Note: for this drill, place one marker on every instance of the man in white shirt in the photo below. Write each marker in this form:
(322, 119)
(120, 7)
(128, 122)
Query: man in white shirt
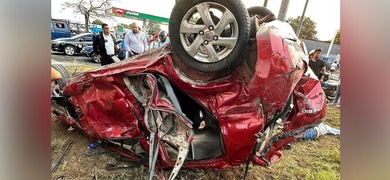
(104, 46)
(136, 41)
(333, 67)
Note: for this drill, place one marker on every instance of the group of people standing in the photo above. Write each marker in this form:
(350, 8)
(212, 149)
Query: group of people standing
(134, 42)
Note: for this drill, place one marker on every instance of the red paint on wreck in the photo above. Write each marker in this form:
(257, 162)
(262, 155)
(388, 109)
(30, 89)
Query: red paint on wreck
(108, 110)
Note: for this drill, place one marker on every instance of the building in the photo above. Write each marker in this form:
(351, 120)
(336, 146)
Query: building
(334, 52)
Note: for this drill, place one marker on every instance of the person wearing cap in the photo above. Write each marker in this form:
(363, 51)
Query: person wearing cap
(316, 64)
(162, 38)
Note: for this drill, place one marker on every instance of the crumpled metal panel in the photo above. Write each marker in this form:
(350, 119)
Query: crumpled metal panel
(240, 104)
(280, 65)
(108, 109)
(310, 104)
(309, 109)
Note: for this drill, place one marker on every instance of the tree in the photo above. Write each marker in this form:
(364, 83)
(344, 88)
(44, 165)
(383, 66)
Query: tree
(153, 27)
(337, 38)
(308, 29)
(97, 21)
(90, 8)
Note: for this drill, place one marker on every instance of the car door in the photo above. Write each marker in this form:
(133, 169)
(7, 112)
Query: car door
(59, 29)
(88, 40)
(83, 41)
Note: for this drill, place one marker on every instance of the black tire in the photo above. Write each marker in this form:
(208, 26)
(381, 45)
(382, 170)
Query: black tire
(70, 50)
(198, 55)
(261, 12)
(65, 76)
(94, 58)
(254, 21)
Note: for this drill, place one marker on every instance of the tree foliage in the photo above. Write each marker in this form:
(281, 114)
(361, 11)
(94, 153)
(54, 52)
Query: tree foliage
(337, 38)
(97, 21)
(127, 26)
(308, 29)
(90, 8)
(153, 27)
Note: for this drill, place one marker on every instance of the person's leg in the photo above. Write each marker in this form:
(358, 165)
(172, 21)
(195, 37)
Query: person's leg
(320, 129)
(325, 129)
(104, 60)
(336, 98)
(310, 134)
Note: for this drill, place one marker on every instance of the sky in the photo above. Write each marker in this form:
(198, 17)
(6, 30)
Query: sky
(326, 13)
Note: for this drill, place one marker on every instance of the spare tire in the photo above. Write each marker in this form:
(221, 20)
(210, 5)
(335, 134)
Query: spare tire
(256, 13)
(209, 46)
(261, 12)
(59, 84)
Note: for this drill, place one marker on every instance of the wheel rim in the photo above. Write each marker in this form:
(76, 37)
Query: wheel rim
(208, 42)
(69, 50)
(95, 58)
(58, 108)
(55, 89)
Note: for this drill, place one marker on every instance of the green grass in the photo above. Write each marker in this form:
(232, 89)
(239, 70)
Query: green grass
(75, 68)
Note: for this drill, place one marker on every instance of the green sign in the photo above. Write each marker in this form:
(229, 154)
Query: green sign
(126, 13)
(146, 16)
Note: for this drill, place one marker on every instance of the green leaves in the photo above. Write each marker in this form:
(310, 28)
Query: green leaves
(308, 29)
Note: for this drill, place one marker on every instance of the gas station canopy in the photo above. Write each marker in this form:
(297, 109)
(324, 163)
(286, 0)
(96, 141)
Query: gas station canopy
(136, 15)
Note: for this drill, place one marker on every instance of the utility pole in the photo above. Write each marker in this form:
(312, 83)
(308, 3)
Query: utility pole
(283, 10)
(302, 17)
(331, 44)
(265, 3)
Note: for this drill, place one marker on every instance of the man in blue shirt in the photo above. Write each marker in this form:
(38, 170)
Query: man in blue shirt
(163, 38)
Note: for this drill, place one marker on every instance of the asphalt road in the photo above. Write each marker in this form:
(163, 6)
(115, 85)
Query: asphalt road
(69, 59)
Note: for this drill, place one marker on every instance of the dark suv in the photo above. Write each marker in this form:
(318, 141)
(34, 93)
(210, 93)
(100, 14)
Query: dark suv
(73, 45)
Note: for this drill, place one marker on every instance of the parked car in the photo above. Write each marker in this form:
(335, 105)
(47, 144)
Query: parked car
(87, 51)
(73, 45)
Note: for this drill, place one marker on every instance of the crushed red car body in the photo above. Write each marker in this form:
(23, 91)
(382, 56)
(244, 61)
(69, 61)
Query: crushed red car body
(154, 104)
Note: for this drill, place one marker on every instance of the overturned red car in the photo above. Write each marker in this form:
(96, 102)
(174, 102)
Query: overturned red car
(210, 99)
